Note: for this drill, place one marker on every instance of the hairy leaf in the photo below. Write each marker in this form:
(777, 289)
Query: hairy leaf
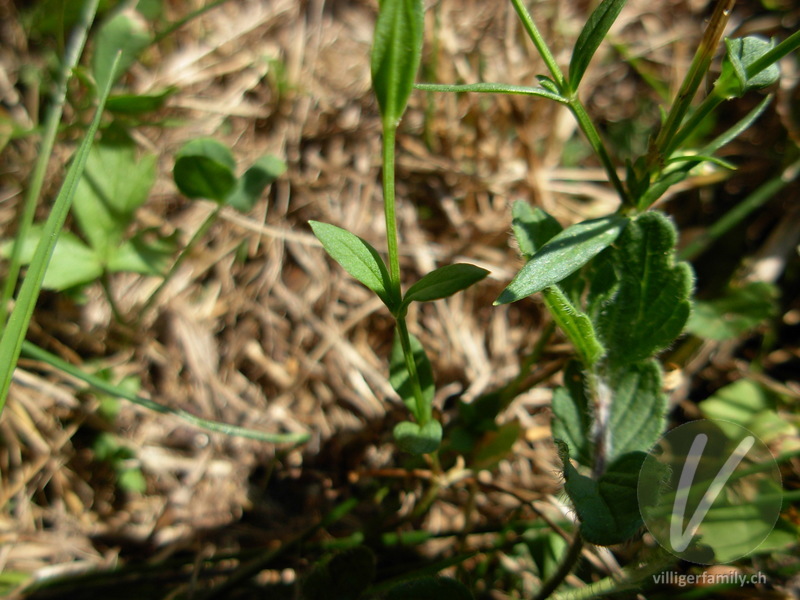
(608, 508)
(651, 303)
(357, 257)
(638, 410)
(563, 255)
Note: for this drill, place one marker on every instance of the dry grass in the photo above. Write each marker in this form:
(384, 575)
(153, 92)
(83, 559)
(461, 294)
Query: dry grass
(283, 339)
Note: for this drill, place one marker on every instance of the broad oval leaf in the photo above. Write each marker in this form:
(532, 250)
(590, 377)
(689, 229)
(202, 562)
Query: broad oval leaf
(563, 255)
(396, 54)
(444, 282)
(595, 30)
(416, 439)
(357, 257)
(204, 168)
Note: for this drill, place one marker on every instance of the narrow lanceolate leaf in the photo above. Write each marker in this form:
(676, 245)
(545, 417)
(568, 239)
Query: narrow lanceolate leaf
(396, 54)
(595, 30)
(401, 382)
(357, 257)
(607, 508)
(493, 88)
(651, 303)
(638, 411)
(444, 282)
(533, 227)
(562, 256)
(14, 333)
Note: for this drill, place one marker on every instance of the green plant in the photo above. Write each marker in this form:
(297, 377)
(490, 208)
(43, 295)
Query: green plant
(614, 284)
(395, 60)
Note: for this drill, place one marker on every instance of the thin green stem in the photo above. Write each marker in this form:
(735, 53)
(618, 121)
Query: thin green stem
(389, 210)
(196, 237)
(707, 106)
(73, 52)
(697, 72)
(101, 385)
(592, 135)
(568, 563)
(423, 409)
(541, 45)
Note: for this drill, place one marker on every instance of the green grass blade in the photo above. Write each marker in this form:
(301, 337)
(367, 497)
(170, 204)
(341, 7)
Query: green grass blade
(100, 385)
(17, 326)
(53, 118)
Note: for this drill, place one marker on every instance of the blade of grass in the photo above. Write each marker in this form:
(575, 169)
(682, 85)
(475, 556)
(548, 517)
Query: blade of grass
(17, 326)
(33, 351)
(73, 52)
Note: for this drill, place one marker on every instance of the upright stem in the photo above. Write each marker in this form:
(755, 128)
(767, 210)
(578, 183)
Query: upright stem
(541, 45)
(389, 136)
(599, 148)
(390, 213)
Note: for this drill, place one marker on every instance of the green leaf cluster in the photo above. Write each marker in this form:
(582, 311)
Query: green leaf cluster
(206, 168)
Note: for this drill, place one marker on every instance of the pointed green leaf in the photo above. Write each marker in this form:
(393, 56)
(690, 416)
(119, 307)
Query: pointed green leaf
(205, 168)
(532, 227)
(563, 255)
(412, 438)
(127, 32)
(638, 411)
(137, 104)
(550, 93)
(595, 30)
(571, 415)
(252, 184)
(444, 282)
(398, 376)
(396, 54)
(651, 303)
(608, 508)
(357, 257)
